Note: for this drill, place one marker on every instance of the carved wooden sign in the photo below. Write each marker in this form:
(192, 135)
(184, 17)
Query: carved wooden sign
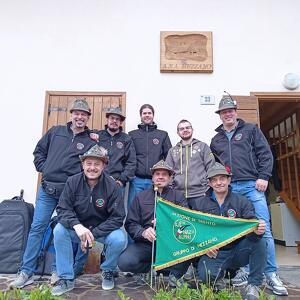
(186, 51)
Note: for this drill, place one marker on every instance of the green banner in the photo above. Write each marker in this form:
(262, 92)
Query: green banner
(182, 234)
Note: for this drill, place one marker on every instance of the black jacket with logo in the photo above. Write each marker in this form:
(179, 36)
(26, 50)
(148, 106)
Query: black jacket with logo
(121, 152)
(235, 206)
(248, 153)
(151, 145)
(100, 208)
(56, 155)
(141, 211)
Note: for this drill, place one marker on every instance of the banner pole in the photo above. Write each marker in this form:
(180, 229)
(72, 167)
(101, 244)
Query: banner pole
(154, 218)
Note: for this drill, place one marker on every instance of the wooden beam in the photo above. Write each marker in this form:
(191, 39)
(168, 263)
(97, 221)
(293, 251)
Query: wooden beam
(291, 205)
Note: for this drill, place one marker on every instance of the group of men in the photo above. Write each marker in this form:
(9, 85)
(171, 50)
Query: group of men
(84, 174)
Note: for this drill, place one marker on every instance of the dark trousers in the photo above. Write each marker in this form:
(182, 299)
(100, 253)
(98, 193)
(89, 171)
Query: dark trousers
(246, 251)
(136, 258)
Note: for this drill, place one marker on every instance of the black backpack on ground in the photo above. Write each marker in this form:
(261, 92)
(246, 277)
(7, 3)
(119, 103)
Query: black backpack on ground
(15, 221)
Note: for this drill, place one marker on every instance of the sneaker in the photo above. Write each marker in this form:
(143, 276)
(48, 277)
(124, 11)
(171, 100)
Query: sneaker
(108, 280)
(241, 278)
(252, 292)
(62, 286)
(275, 284)
(22, 280)
(189, 275)
(175, 282)
(54, 278)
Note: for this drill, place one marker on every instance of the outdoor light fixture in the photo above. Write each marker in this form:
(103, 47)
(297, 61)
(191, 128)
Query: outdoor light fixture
(291, 81)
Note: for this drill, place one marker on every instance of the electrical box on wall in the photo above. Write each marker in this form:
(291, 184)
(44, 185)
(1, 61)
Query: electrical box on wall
(207, 100)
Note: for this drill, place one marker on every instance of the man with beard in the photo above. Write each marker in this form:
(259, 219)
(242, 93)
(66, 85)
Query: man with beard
(121, 152)
(56, 156)
(190, 159)
(151, 145)
(90, 209)
(140, 221)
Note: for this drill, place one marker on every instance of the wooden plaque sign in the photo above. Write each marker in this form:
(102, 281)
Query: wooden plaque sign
(186, 51)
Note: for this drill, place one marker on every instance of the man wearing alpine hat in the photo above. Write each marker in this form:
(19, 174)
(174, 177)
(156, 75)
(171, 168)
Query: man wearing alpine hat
(56, 157)
(221, 201)
(90, 209)
(140, 220)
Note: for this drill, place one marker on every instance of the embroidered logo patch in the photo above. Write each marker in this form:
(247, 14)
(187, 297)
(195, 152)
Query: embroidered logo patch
(79, 146)
(120, 145)
(184, 231)
(155, 141)
(100, 203)
(231, 213)
(238, 137)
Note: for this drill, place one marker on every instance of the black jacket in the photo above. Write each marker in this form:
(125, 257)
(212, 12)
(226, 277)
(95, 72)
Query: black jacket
(247, 154)
(151, 145)
(141, 211)
(100, 208)
(56, 155)
(234, 206)
(121, 152)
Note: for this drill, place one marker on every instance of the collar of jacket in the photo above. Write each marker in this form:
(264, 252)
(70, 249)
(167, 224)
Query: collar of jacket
(100, 179)
(165, 190)
(240, 124)
(86, 129)
(147, 127)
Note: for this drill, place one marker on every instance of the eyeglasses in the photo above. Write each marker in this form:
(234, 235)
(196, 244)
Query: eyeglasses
(185, 128)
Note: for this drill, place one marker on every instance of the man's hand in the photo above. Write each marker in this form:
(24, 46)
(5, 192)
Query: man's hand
(213, 253)
(119, 183)
(261, 227)
(94, 137)
(154, 223)
(261, 185)
(84, 234)
(149, 234)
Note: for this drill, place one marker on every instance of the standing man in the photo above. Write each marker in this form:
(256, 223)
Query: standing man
(140, 220)
(190, 159)
(121, 152)
(90, 209)
(56, 156)
(151, 145)
(244, 149)
(221, 201)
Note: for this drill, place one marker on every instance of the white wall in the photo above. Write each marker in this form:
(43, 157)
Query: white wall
(113, 45)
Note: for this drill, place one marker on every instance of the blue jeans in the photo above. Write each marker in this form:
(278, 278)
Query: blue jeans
(63, 238)
(137, 185)
(44, 207)
(246, 251)
(258, 199)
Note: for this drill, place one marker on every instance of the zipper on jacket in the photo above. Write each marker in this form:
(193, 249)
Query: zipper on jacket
(147, 159)
(73, 137)
(91, 196)
(186, 169)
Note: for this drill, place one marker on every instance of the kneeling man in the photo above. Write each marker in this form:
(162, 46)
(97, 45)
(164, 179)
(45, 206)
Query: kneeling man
(140, 220)
(90, 209)
(220, 200)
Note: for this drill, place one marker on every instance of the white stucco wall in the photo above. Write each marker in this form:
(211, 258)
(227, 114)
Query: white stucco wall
(114, 45)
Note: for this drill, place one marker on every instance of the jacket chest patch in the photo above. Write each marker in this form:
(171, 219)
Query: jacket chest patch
(155, 141)
(231, 213)
(120, 145)
(238, 136)
(79, 146)
(100, 203)
(175, 152)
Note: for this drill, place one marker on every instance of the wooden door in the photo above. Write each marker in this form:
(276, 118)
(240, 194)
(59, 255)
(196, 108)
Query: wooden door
(58, 104)
(247, 108)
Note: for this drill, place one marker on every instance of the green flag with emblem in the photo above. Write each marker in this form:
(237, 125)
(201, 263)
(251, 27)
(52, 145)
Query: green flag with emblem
(182, 234)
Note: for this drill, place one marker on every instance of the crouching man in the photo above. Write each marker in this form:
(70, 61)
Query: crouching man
(251, 249)
(90, 209)
(140, 220)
